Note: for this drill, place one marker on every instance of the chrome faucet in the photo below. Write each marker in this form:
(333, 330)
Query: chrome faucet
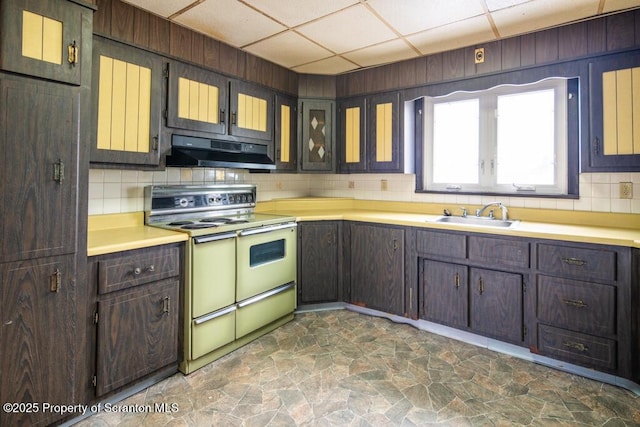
(503, 208)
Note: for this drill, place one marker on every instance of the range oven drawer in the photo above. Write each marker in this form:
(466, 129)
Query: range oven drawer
(212, 331)
(213, 273)
(266, 259)
(265, 308)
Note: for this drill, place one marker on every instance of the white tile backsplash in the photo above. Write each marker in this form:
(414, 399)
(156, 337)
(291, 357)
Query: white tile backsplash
(120, 191)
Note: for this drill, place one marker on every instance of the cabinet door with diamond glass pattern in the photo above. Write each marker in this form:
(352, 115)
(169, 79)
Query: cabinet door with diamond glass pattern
(317, 135)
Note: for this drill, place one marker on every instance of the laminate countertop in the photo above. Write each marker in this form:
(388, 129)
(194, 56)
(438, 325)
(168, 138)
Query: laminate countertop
(586, 227)
(123, 232)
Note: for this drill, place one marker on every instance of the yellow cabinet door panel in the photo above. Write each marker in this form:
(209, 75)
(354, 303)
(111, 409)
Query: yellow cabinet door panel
(285, 132)
(41, 38)
(384, 132)
(621, 111)
(352, 137)
(124, 106)
(197, 101)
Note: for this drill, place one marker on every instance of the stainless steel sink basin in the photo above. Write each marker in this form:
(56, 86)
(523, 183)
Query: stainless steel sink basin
(477, 221)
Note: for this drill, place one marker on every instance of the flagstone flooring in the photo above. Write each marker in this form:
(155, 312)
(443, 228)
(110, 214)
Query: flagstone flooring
(341, 368)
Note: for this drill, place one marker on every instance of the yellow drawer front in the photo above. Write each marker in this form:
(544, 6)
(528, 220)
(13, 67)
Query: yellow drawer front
(212, 334)
(264, 311)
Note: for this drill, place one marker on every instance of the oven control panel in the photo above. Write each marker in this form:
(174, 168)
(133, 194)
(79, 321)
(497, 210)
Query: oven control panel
(184, 199)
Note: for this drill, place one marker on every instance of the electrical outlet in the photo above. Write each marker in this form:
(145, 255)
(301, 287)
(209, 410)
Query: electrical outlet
(278, 185)
(384, 185)
(352, 184)
(626, 190)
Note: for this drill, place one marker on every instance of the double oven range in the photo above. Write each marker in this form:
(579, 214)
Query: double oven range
(240, 267)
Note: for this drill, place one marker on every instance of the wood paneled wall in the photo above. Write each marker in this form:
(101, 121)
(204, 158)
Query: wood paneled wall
(589, 38)
(123, 22)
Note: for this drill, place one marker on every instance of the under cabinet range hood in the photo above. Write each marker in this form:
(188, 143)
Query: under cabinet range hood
(191, 151)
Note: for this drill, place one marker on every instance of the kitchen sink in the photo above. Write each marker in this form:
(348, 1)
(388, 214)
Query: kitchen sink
(477, 221)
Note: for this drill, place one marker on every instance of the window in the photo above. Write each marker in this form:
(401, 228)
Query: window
(510, 139)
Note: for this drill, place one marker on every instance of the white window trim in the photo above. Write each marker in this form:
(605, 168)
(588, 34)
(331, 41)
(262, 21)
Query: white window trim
(488, 144)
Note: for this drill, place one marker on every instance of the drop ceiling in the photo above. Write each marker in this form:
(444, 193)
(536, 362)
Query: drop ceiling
(337, 36)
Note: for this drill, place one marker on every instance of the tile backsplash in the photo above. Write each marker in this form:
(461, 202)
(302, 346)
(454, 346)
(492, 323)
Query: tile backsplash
(120, 191)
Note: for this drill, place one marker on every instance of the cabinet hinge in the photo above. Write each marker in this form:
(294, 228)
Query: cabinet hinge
(524, 331)
(165, 113)
(165, 71)
(95, 317)
(94, 381)
(524, 287)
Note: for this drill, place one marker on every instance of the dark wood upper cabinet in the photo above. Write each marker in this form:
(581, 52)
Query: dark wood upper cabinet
(352, 137)
(197, 99)
(317, 135)
(127, 105)
(203, 101)
(286, 133)
(370, 134)
(384, 142)
(614, 96)
(45, 38)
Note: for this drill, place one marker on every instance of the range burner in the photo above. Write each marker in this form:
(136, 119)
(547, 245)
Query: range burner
(224, 220)
(176, 223)
(197, 226)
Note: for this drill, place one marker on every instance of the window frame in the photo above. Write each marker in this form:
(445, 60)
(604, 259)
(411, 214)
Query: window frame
(488, 139)
(577, 87)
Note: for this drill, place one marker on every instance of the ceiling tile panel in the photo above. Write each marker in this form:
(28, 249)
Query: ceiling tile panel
(539, 14)
(501, 4)
(453, 36)
(288, 49)
(613, 5)
(330, 66)
(229, 21)
(391, 51)
(412, 16)
(295, 12)
(352, 28)
(161, 8)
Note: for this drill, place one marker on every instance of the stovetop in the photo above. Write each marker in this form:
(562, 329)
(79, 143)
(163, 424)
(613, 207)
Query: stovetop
(206, 209)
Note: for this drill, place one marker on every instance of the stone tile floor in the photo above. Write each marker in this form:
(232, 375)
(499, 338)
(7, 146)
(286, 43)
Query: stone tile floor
(340, 368)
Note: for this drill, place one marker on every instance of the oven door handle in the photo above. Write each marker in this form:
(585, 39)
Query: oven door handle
(267, 294)
(203, 319)
(214, 237)
(266, 229)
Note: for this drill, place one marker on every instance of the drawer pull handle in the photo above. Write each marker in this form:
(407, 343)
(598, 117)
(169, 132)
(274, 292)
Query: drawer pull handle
(576, 346)
(137, 271)
(456, 279)
(55, 281)
(166, 305)
(575, 303)
(574, 261)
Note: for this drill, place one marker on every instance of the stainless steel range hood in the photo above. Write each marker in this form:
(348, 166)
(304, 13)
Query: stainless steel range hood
(191, 151)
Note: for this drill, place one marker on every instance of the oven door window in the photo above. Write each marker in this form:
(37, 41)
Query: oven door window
(266, 252)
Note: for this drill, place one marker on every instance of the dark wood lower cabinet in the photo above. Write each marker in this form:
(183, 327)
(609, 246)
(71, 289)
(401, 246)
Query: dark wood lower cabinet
(38, 336)
(137, 300)
(319, 262)
(445, 292)
(377, 267)
(496, 300)
(137, 334)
